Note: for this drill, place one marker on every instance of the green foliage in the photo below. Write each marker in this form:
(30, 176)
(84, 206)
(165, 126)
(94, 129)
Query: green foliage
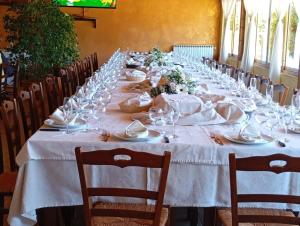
(175, 81)
(273, 27)
(156, 56)
(41, 36)
(292, 30)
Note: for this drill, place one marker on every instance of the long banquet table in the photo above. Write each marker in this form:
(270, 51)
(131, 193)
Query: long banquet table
(198, 175)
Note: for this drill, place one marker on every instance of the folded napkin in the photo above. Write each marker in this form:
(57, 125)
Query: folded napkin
(189, 104)
(207, 116)
(58, 118)
(136, 104)
(246, 104)
(136, 130)
(131, 61)
(214, 98)
(140, 87)
(135, 75)
(250, 133)
(231, 112)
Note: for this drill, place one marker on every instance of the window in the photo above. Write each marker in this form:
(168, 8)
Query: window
(235, 28)
(292, 44)
(262, 32)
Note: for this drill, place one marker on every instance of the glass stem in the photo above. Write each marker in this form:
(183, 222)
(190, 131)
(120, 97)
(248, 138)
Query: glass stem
(174, 135)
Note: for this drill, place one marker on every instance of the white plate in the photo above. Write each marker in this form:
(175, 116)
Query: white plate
(236, 139)
(51, 123)
(295, 130)
(152, 135)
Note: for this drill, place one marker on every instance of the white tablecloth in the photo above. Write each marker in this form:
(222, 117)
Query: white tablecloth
(198, 173)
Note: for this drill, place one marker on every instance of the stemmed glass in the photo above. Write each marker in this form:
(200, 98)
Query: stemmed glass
(270, 94)
(174, 116)
(67, 112)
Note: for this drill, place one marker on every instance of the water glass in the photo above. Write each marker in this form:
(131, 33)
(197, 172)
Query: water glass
(269, 93)
(67, 112)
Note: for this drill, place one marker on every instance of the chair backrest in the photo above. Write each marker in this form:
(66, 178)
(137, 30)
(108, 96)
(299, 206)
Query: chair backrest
(54, 92)
(123, 158)
(66, 83)
(25, 101)
(87, 67)
(95, 64)
(72, 78)
(2, 83)
(39, 103)
(12, 125)
(17, 80)
(282, 91)
(80, 72)
(267, 164)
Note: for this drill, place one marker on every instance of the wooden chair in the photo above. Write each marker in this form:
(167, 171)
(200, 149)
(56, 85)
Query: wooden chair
(88, 69)
(73, 78)
(12, 91)
(94, 61)
(267, 217)
(67, 82)
(54, 92)
(133, 214)
(27, 111)
(264, 82)
(39, 103)
(80, 72)
(12, 127)
(281, 91)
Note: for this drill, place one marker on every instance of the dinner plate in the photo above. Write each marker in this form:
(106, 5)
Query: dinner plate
(294, 130)
(51, 123)
(151, 136)
(236, 139)
(141, 116)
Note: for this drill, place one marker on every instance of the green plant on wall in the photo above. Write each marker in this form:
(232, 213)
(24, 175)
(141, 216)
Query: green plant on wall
(41, 37)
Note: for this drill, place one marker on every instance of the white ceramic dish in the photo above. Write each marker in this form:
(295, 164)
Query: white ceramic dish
(295, 130)
(151, 136)
(51, 123)
(236, 139)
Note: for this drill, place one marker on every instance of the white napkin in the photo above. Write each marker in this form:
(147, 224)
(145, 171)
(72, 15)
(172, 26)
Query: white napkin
(214, 98)
(136, 104)
(189, 104)
(207, 116)
(136, 130)
(135, 75)
(58, 118)
(202, 89)
(245, 104)
(230, 112)
(250, 133)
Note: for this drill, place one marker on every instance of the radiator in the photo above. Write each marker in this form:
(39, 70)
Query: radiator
(196, 51)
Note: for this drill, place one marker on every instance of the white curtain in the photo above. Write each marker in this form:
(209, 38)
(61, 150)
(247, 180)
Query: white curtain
(251, 7)
(227, 7)
(297, 39)
(281, 8)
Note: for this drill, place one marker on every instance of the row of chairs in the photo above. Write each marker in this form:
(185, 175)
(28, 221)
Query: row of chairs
(280, 90)
(75, 74)
(100, 213)
(24, 113)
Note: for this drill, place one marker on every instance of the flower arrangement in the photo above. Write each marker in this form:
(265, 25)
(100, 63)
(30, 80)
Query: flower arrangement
(155, 57)
(174, 82)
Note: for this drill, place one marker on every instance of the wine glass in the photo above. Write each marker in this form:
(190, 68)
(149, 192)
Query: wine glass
(67, 112)
(270, 93)
(174, 116)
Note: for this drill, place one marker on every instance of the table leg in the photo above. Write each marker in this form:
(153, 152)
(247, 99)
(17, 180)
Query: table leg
(209, 215)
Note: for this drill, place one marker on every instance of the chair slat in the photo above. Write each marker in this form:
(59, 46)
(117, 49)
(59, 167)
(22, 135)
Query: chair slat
(269, 198)
(269, 219)
(122, 192)
(135, 158)
(263, 163)
(122, 213)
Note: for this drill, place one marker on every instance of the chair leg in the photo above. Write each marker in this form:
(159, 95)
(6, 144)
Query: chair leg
(1, 210)
(193, 215)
